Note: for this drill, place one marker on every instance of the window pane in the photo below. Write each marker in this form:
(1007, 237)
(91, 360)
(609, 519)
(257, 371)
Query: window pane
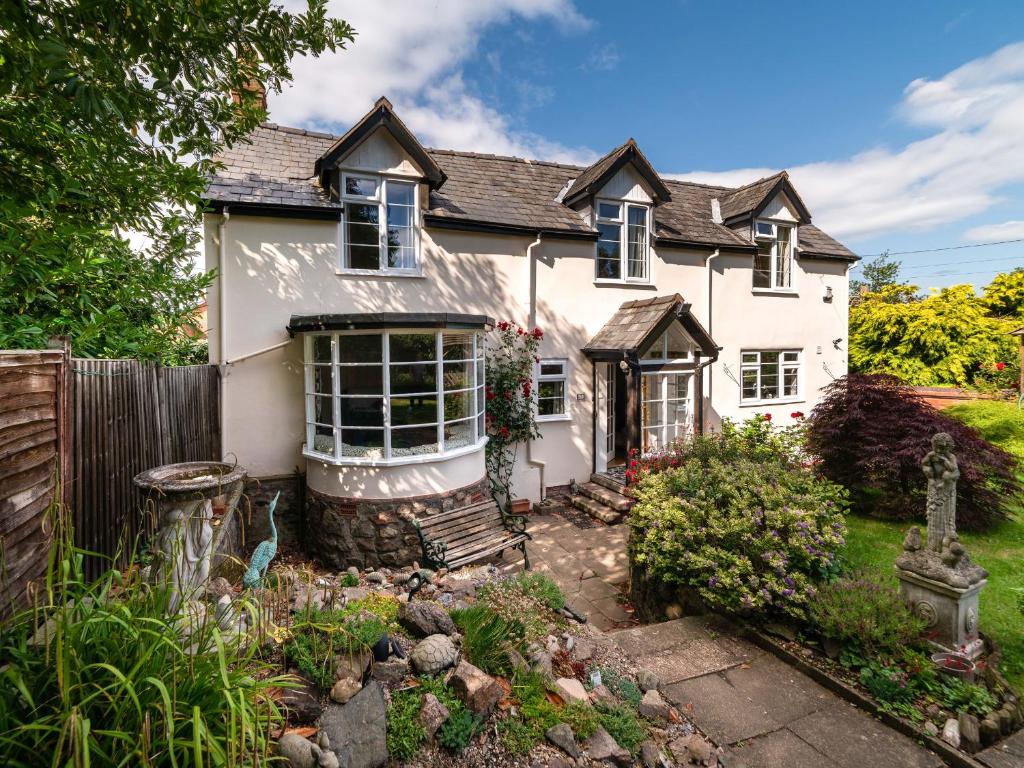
(750, 357)
(480, 373)
(458, 375)
(678, 387)
(320, 407)
(785, 265)
(458, 405)
(361, 411)
(791, 382)
(609, 210)
(750, 385)
(400, 193)
(414, 409)
(653, 415)
(790, 357)
(608, 253)
(458, 435)
(657, 350)
(322, 380)
(362, 442)
(360, 348)
(321, 349)
(361, 380)
(677, 412)
(769, 357)
(399, 236)
(401, 258)
(362, 215)
(769, 382)
(412, 347)
(551, 369)
(363, 257)
(457, 346)
(763, 265)
(360, 186)
(323, 439)
(419, 377)
(413, 441)
(551, 398)
(764, 229)
(678, 346)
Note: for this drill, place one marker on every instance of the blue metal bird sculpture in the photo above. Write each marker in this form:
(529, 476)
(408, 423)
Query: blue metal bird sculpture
(263, 553)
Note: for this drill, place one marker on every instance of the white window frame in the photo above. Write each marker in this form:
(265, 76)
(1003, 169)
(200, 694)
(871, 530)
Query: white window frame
(562, 377)
(774, 270)
(476, 388)
(783, 365)
(664, 352)
(381, 199)
(622, 222)
(679, 428)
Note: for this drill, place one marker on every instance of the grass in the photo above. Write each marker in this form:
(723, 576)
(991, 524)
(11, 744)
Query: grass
(998, 420)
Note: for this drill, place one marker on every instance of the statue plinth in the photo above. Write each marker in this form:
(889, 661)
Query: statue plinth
(951, 612)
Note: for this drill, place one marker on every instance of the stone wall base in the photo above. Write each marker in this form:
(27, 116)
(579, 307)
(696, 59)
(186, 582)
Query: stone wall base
(344, 532)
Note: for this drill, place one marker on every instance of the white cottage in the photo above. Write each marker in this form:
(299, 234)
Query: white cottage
(357, 277)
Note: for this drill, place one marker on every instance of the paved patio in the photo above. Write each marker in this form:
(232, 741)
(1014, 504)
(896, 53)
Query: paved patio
(764, 713)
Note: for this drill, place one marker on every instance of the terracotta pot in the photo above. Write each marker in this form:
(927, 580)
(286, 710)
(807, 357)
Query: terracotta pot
(955, 665)
(520, 506)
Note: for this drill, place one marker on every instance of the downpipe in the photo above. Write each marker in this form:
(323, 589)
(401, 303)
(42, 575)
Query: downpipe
(532, 323)
(711, 385)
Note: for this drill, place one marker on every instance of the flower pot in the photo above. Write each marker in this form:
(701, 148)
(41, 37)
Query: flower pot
(955, 665)
(520, 506)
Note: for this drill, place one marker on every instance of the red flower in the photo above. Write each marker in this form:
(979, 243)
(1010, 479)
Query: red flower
(1000, 366)
(503, 325)
(797, 414)
(537, 333)
(490, 394)
(504, 432)
(767, 417)
(520, 331)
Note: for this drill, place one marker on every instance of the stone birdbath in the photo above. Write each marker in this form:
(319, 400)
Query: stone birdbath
(185, 540)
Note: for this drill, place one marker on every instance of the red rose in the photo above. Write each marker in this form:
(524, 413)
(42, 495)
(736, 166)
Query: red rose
(767, 417)
(537, 333)
(1000, 366)
(797, 414)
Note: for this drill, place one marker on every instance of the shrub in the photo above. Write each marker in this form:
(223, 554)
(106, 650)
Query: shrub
(522, 731)
(488, 637)
(622, 724)
(871, 434)
(321, 635)
(458, 730)
(749, 536)
(542, 588)
(525, 599)
(405, 735)
(865, 614)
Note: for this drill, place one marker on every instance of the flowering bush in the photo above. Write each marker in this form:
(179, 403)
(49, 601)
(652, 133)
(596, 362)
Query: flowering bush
(866, 615)
(741, 519)
(511, 417)
(997, 377)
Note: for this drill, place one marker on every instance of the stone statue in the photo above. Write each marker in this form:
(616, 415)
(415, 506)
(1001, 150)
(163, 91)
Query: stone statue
(184, 545)
(263, 553)
(941, 469)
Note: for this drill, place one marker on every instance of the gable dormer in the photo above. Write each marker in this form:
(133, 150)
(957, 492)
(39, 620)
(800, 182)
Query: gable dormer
(594, 179)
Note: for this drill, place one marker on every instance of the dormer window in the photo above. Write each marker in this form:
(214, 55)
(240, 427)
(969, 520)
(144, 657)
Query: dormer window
(623, 253)
(379, 224)
(773, 262)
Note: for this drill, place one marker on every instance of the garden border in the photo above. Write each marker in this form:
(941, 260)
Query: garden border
(953, 756)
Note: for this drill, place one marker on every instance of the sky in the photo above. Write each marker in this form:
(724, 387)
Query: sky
(901, 123)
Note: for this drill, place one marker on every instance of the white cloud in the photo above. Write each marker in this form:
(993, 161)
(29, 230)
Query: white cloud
(958, 171)
(603, 59)
(413, 52)
(1008, 230)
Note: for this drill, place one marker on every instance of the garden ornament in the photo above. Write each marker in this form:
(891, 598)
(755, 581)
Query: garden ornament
(941, 469)
(263, 553)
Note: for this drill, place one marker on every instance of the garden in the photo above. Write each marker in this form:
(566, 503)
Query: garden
(795, 531)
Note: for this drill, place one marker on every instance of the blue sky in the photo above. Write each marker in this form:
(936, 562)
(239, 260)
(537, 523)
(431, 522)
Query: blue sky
(902, 123)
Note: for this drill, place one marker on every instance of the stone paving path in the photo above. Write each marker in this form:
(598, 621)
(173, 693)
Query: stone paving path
(763, 712)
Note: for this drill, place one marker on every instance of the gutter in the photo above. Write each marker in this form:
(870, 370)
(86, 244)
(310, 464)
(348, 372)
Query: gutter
(707, 264)
(532, 323)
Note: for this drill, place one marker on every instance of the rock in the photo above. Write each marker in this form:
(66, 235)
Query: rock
(390, 672)
(654, 707)
(601, 746)
(301, 704)
(434, 654)
(832, 648)
(933, 711)
(357, 730)
(647, 680)
(552, 645)
(217, 588)
(344, 689)
(1005, 719)
(785, 631)
(351, 666)
(562, 737)
(298, 751)
(678, 747)
(423, 619)
(432, 714)
(376, 577)
(540, 661)
(326, 758)
(651, 755)
(225, 613)
(571, 689)
(583, 650)
(351, 594)
(970, 733)
(477, 690)
(951, 733)
(517, 661)
(931, 728)
(673, 611)
(699, 750)
(308, 597)
(601, 693)
(989, 731)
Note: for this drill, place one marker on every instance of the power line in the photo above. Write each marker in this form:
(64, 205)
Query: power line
(944, 248)
(970, 261)
(946, 274)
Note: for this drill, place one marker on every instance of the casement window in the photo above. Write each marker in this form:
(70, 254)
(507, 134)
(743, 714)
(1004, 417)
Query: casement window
(665, 409)
(623, 244)
(771, 375)
(552, 390)
(379, 231)
(393, 395)
(773, 262)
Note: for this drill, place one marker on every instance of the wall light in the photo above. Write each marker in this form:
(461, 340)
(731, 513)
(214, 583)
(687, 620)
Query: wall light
(828, 294)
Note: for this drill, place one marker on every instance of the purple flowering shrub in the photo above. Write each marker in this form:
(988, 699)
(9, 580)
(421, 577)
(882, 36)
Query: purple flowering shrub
(866, 614)
(752, 534)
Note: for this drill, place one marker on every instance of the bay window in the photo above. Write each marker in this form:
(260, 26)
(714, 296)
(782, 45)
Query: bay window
(622, 244)
(393, 395)
(379, 230)
(770, 375)
(773, 262)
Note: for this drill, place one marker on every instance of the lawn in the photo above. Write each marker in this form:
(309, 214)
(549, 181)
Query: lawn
(872, 545)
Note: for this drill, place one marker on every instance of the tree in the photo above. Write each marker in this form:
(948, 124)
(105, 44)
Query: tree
(879, 273)
(110, 117)
(1004, 296)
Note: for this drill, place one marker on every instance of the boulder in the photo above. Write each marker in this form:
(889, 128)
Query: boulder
(422, 619)
(217, 588)
(562, 737)
(344, 689)
(951, 733)
(651, 756)
(357, 730)
(583, 649)
(571, 689)
(989, 730)
(654, 707)
(970, 732)
(391, 671)
(477, 690)
(301, 704)
(297, 750)
(647, 680)
(433, 654)
(601, 746)
(352, 594)
(432, 714)
(699, 750)
(351, 666)
(602, 694)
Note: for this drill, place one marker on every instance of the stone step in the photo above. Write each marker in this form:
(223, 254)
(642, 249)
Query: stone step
(609, 482)
(595, 509)
(606, 496)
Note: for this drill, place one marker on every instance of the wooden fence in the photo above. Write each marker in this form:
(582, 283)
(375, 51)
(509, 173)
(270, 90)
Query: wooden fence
(34, 443)
(129, 417)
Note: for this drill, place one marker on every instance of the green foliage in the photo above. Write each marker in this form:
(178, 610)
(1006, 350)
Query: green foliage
(866, 614)
(960, 696)
(619, 685)
(623, 725)
(1004, 296)
(525, 601)
(879, 273)
(947, 337)
(110, 117)
(1001, 423)
(488, 637)
(891, 690)
(405, 735)
(458, 730)
(113, 684)
(349, 580)
(522, 731)
(583, 719)
(541, 587)
(751, 535)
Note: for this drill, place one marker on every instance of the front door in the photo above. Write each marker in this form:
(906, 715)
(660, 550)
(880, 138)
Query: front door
(666, 409)
(611, 416)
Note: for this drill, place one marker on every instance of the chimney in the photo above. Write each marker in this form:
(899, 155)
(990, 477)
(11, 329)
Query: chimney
(716, 211)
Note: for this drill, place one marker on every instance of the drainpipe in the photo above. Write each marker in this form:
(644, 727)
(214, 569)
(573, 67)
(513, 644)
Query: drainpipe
(532, 323)
(222, 313)
(714, 255)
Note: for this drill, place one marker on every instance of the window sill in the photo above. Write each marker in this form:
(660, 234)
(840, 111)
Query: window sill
(623, 283)
(554, 419)
(385, 273)
(777, 401)
(776, 291)
(426, 458)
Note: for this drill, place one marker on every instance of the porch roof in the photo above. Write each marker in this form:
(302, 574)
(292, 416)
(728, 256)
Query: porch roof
(637, 324)
(374, 320)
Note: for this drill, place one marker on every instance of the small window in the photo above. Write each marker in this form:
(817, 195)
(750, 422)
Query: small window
(773, 262)
(623, 251)
(769, 375)
(552, 392)
(380, 224)
(361, 186)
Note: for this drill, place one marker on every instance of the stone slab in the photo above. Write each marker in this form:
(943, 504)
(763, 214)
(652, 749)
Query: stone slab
(595, 589)
(695, 658)
(641, 641)
(782, 749)
(846, 735)
(1006, 754)
(719, 710)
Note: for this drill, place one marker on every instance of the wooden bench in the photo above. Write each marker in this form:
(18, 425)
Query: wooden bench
(461, 536)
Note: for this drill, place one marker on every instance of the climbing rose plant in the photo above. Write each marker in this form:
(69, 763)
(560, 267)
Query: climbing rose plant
(511, 416)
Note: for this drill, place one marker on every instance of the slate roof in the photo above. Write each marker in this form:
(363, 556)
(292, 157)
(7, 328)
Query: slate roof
(635, 322)
(275, 167)
(744, 199)
(592, 178)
